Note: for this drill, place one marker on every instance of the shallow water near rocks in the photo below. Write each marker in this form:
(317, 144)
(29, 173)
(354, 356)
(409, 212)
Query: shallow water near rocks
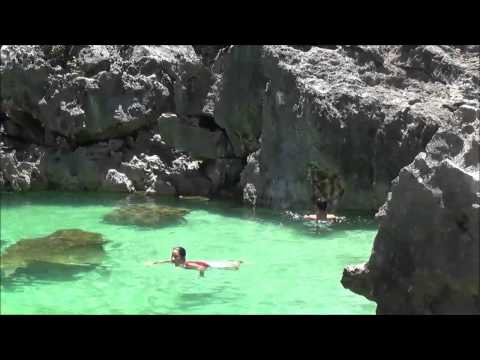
(289, 267)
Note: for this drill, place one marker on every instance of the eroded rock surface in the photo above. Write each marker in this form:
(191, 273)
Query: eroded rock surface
(425, 259)
(360, 112)
(93, 108)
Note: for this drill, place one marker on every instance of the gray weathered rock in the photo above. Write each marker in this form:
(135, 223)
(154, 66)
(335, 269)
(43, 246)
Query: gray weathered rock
(342, 109)
(103, 93)
(95, 58)
(208, 53)
(188, 135)
(362, 112)
(425, 258)
(116, 181)
(186, 177)
(223, 172)
(187, 78)
(137, 170)
(161, 187)
(250, 194)
(84, 168)
(22, 174)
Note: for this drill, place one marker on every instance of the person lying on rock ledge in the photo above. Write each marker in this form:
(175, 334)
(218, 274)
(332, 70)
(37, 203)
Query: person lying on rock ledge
(179, 255)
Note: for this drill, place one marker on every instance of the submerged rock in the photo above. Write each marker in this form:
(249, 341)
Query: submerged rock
(149, 215)
(70, 247)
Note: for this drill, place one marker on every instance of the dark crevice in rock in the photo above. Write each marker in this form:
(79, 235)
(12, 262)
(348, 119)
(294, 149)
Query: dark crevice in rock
(302, 47)
(85, 138)
(452, 107)
(168, 81)
(207, 122)
(3, 116)
(22, 125)
(18, 141)
(427, 135)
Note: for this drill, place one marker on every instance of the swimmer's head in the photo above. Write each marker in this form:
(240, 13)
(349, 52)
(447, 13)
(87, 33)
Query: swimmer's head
(178, 255)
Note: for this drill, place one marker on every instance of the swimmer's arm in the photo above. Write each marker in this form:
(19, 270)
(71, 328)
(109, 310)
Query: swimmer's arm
(150, 263)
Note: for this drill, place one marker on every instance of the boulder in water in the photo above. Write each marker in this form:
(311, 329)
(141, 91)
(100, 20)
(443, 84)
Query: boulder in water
(146, 215)
(70, 247)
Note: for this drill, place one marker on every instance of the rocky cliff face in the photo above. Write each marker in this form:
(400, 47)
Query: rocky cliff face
(97, 114)
(360, 113)
(425, 258)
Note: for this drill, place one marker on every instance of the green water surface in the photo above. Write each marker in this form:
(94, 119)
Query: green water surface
(289, 267)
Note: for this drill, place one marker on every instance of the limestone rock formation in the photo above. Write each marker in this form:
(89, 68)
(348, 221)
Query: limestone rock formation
(116, 181)
(187, 135)
(95, 108)
(358, 112)
(20, 171)
(361, 112)
(425, 259)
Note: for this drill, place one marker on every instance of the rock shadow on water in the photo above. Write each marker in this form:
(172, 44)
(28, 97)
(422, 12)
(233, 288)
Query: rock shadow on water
(146, 215)
(44, 273)
(60, 256)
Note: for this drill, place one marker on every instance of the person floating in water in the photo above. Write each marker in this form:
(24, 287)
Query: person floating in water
(179, 255)
(327, 188)
(321, 212)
